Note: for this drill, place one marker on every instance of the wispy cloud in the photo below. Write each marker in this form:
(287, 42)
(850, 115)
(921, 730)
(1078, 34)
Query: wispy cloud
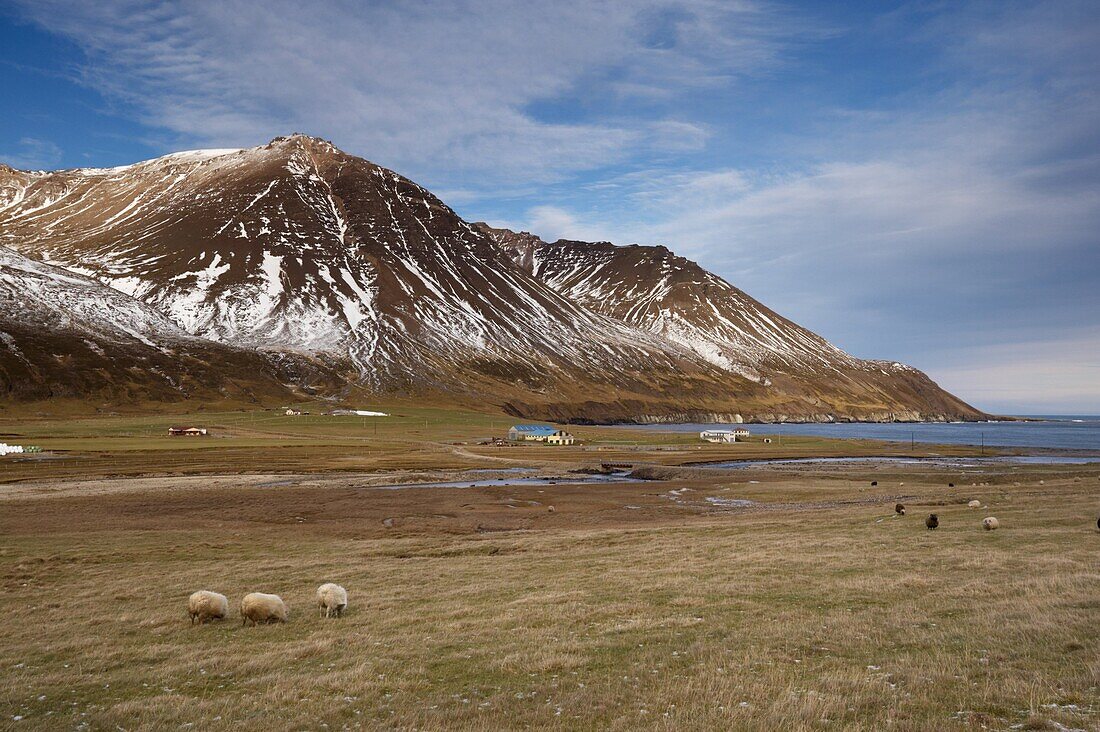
(440, 86)
(1054, 375)
(962, 217)
(30, 153)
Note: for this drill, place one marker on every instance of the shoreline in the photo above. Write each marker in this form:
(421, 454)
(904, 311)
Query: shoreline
(1069, 436)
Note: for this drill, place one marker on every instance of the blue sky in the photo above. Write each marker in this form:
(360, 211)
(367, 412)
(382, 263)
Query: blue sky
(917, 181)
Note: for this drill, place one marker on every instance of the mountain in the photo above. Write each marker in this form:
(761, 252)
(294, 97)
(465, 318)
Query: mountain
(66, 335)
(653, 289)
(296, 252)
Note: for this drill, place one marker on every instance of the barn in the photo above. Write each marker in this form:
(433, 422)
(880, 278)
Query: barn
(540, 433)
(187, 431)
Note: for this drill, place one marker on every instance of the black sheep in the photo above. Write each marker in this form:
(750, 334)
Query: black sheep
(899, 510)
(932, 521)
(874, 483)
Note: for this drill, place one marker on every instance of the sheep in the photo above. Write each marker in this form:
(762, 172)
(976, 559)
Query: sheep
(205, 605)
(899, 510)
(332, 599)
(975, 504)
(262, 608)
(989, 523)
(950, 485)
(932, 521)
(874, 483)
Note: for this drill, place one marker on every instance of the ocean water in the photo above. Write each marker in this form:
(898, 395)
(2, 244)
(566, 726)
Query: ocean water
(1067, 432)
(942, 462)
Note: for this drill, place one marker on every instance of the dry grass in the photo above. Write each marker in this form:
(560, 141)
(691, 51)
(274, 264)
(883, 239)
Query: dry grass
(413, 437)
(594, 617)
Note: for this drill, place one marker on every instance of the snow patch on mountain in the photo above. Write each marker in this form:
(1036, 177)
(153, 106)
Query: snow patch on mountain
(40, 295)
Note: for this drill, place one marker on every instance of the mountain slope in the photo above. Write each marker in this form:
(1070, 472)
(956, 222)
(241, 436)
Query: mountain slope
(296, 246)
(301, 253)
(653, 289)
(65, 335)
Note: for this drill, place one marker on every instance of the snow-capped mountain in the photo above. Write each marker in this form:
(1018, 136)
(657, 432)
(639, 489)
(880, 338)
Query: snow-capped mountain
(654, 289)
(295, 247)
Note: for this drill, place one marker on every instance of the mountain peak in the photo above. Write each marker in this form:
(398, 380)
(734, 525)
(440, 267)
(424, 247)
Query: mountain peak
(309, 142)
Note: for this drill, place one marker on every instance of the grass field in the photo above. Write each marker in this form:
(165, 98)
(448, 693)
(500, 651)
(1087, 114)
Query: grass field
(412, 437)
(629, 606)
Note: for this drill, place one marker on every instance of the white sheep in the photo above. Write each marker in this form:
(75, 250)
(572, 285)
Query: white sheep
(262, 608)
(989, 523)
(205, 605)
(975, 504)
(332, 599)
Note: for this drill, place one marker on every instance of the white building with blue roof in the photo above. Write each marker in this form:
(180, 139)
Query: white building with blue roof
(540, 433)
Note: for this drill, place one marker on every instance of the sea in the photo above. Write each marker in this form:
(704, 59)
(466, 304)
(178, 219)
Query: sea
(1056, 432)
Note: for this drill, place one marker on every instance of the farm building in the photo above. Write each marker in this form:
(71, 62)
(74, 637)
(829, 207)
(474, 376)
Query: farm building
(355, 413)
(560, 437)
(540, 433)
(187, 431)
(537, 432)
(724, 435)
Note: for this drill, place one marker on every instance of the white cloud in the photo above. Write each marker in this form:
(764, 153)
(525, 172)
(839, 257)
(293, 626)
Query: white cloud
(677, 136)
(438, 86)
(552, 223)
(32, 153)
(1058, 375)
(961, 219)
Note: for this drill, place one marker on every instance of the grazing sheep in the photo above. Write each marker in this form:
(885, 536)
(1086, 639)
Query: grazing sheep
(331, 600)
(975, 504)
(932, 522)
(262, 608)
(551, 509)
(989, 523)
(950, 485)
(874, 483)
(899, 510)
(205, 605)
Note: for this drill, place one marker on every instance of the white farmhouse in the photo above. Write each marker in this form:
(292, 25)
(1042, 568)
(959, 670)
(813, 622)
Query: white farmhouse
(724, 435)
